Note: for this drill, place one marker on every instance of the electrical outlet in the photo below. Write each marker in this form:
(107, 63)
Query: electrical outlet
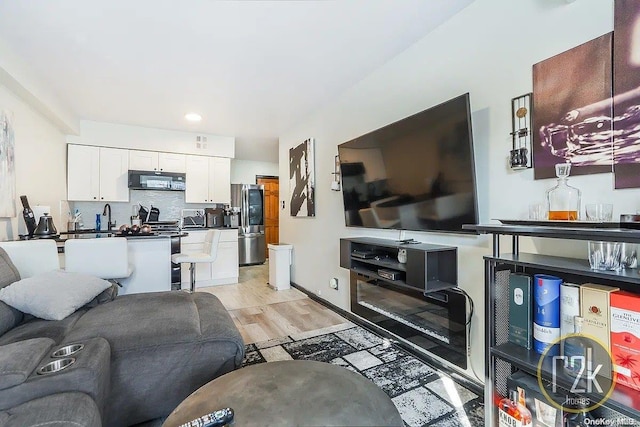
(283, 204)
(333, 283)
(319, 292)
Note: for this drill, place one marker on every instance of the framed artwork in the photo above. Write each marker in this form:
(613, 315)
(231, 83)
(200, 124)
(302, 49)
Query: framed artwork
(7, 166)
(572, 110)
(302, 179)
(626, 91)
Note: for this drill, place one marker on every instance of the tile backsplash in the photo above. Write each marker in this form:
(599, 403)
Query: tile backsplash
(170, 204)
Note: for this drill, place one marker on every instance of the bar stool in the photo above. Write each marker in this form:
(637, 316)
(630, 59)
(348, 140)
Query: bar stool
(105, 257)
(208, 254)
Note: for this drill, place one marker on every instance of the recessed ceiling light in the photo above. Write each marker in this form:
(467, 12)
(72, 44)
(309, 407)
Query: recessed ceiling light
(193, 117)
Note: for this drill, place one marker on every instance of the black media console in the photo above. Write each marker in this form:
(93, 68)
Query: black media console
(417, 300)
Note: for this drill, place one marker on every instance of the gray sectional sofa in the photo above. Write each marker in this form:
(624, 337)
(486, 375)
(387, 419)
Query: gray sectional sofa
(143, 354)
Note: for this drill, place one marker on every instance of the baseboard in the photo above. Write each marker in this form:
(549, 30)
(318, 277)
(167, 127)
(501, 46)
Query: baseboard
(471, 383)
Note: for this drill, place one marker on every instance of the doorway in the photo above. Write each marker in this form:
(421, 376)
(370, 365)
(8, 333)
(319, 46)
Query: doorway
(271, 212)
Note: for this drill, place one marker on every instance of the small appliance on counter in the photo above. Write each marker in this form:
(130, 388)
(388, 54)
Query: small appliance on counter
(232, 218)
(46, 228)
(148, 215)
(192, 218)
(214, 217)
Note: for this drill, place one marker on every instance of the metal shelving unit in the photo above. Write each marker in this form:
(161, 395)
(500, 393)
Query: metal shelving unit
(502, 357)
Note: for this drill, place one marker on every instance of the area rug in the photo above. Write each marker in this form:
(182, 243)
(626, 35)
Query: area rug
(423, 395)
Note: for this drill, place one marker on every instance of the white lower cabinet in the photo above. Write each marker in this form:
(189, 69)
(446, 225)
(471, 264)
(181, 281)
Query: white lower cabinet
(223, 271)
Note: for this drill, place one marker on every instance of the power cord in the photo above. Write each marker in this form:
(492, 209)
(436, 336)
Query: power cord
(468, 326)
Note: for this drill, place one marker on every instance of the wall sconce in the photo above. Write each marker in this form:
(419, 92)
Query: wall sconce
(520, 156)
(335, 184)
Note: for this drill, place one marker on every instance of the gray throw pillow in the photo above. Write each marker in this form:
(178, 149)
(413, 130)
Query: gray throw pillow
(53, 295)
(9, 316)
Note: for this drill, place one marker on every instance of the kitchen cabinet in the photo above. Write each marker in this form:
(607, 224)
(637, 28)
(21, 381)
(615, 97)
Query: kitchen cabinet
(97, 173)
(156, 161)
(503, 357)
(208, 180)
(224, 270)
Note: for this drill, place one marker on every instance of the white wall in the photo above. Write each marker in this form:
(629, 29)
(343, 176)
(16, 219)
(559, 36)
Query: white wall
(143, 138)
(40, 156)
(488, 50)
(245, 171)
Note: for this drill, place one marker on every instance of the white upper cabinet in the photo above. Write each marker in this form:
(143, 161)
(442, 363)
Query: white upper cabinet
(220, 180)
(197, 190)
(97, 174)
(208, 180)
(156, 161)
(83, 173)
(171, 162)
(143, 160)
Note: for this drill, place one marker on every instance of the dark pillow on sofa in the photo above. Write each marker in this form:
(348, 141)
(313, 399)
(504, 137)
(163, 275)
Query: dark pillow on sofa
(105, 296)
(9, 316)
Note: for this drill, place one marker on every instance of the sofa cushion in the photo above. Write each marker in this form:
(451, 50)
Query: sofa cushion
(53, 295)
(38, 328)
(20, 359)
(174, 341)
(57, 410)
(9, 316)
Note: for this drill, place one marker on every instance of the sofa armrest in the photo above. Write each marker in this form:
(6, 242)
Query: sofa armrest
(89, 374)
(18, 360)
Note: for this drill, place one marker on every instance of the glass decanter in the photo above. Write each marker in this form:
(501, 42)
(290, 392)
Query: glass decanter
(563, 200)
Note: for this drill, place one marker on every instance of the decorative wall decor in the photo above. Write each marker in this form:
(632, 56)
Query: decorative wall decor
(520, 155)
(302, 179)
(626, 91)
(572, 110)
(7, 167)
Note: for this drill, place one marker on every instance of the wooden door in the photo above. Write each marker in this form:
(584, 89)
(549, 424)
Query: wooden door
(271, 211)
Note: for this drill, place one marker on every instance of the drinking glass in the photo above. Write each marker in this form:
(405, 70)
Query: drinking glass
(605, 255)
(599, 212)
(537, 211)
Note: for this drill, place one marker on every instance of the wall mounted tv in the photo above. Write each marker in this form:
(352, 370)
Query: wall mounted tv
(415, 174)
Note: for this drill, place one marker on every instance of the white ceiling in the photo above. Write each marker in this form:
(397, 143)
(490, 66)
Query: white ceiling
(252, 69)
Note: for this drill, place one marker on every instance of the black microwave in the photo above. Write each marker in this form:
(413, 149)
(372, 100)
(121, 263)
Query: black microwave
(154, 180)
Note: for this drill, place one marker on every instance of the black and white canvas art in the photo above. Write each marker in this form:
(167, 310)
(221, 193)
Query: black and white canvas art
(7, 167)
(302, 179)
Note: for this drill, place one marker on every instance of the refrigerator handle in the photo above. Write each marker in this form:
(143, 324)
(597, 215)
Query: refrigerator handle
(245, 209)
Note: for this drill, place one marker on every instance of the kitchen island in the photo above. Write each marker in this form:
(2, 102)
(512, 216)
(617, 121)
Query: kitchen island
(149, 258)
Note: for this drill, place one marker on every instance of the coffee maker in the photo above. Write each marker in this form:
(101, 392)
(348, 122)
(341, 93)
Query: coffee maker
(214, 217)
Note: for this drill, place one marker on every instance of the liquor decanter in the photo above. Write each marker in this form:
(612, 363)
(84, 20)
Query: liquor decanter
(563, 200)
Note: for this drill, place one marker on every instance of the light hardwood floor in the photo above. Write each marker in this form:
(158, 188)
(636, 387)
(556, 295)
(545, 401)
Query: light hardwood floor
(261, 313)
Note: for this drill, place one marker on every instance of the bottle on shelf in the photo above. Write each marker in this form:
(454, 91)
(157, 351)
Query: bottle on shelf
(574, 350)
(98, 222)
(563, 200)
(512, 413)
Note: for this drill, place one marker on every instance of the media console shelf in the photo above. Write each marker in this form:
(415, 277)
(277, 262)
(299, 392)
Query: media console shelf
(417, 300)
(428, 267)
(504, 358)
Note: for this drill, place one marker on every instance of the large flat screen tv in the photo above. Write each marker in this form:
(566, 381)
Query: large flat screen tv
(415, 174)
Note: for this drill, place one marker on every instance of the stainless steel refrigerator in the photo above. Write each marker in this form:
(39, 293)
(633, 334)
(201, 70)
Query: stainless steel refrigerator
(248, 199)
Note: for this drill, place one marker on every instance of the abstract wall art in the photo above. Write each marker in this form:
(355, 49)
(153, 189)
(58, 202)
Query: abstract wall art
(572, 117)
(302, 179)
(626, 94)
(7, 166)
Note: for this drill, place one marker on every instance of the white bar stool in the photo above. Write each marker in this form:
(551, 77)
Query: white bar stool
(32, 257)
(208, 253)
(105, 257)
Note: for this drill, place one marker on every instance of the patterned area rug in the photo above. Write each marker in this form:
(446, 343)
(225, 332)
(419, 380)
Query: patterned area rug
(423, 395)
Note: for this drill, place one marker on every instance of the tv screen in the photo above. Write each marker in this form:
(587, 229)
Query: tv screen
(414, 174)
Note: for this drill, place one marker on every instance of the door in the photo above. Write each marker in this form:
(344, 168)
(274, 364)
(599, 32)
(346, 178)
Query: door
(143, 160)
(271, 211)
(197, 190)
(114, 175)
(171, 162)
(220, 180)
(83, 173)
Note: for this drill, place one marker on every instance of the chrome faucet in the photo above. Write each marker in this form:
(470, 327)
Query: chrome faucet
(107, 212)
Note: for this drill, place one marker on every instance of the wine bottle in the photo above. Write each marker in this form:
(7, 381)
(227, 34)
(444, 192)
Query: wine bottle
(27, 214)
